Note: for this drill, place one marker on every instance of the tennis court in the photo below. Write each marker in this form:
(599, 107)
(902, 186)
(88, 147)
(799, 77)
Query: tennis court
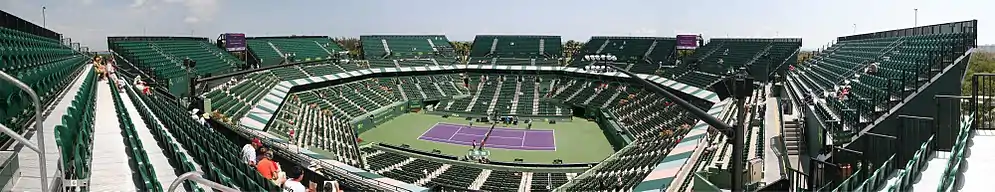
(577, 141)
(504, 138)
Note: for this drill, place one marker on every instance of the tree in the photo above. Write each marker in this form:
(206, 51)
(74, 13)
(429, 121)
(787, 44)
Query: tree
(351, 44)
(981, 62)
(571, 47)
(462, 48)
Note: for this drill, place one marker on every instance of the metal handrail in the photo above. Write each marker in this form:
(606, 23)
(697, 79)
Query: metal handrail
(196, 176)
(38, 127)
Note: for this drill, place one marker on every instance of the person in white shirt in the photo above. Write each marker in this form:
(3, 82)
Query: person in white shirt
(293, 184)
(249, 151)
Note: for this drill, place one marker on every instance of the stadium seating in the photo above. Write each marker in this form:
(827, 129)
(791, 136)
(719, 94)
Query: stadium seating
(904, 63)
(627, 167)
(510, 46)
(412, 172)
(502, 181)
(457, 176)
(218, 157)
(235, 101)
(145, 175)
(44, 64)
(177, 157)
(317, 129)
(270, 50)
(376, 47)
(593, 93)
(635, 54)
(515, 94)
(163, 58)
(547, 181)
(352, 99)
(74, 135)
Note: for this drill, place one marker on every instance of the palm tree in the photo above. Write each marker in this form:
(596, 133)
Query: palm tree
(570, 48)
(462, 48)
(351, 44)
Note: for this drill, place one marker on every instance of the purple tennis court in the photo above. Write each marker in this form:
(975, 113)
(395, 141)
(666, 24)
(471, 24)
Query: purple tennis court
(519, 139)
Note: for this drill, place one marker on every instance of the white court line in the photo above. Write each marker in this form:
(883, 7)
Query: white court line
(499, 137)
(553, 138)
(524, 134)
(429, 129)
(456, 133)
(500, 146)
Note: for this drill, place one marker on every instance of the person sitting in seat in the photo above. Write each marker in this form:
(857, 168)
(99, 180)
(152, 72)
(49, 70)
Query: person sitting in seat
(872, 68)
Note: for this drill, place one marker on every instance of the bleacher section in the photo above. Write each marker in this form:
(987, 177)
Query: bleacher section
(316, 129)
(271, 50)
(144, 173)
(505, 94)
(628, 167)
(591, 92)
(234, 101)
(378, 47)
(355, 99)
(635, 54)
(44, 64)
(513, 46)
(411, 168)
(217, 156)
(720, 57)
(75, 135)
(904, 64)
(162, 57)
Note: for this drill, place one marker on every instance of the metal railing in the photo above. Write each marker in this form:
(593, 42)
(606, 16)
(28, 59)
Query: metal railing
(300, 158)
(197, 176)
(40, 148)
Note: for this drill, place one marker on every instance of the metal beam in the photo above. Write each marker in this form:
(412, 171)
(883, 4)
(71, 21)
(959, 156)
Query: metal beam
(737, 133)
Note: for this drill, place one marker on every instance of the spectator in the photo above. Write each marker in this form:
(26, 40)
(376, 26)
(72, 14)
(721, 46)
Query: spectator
(268, 168)
(249, 151)
(293, 183)
(872, 68)
(260, 154)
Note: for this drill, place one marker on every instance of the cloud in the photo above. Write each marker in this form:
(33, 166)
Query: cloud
(87, 2)
(191, 20)
(198, 10)
(138, 3)
(645, 32)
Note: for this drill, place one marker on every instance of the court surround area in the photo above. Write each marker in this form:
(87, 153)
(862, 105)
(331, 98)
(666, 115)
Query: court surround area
(577, 141)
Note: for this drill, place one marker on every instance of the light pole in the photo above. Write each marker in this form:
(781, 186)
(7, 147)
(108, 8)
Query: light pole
(916, 17)
(855, 28)
(44, 23)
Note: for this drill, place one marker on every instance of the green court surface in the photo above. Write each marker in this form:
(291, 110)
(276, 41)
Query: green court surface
(579, 141)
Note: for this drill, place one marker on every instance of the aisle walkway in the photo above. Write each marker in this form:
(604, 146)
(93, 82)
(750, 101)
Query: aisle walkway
(170, 136)
(28, 159)
(977, 165)
(110, 168)
(163, 170)
(772, 135)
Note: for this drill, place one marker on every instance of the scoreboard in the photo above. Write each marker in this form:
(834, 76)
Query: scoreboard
(687, 41)
(235, 41)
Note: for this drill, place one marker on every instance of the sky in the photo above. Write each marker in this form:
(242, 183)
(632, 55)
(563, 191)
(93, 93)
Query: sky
(818, 23)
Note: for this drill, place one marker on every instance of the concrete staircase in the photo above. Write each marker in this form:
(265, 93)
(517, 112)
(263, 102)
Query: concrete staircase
(792, 137)
(526, 184)
(432, 175)
(480, 179)
(395, 166)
